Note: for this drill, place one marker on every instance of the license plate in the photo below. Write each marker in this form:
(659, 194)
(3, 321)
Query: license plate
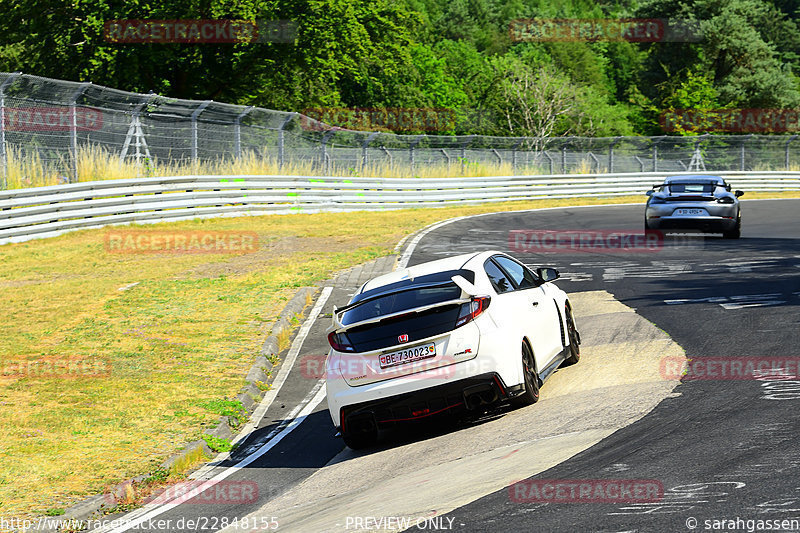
(689, 212)
(408, 355)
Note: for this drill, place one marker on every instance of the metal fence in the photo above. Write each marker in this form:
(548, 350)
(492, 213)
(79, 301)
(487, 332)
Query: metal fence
(47, 211)
(50, 119)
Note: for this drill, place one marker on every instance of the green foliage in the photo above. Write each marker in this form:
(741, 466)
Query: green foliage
(233, 409)
(445, 54)
(217, 444)
(748, 51)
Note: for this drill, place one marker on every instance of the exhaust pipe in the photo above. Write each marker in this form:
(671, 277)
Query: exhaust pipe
(479, 395)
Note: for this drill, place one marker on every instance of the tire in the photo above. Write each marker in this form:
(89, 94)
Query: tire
(736, 232)
(531, 379)
(574, 338)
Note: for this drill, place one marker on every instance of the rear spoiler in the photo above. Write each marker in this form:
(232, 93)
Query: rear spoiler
(462, 283)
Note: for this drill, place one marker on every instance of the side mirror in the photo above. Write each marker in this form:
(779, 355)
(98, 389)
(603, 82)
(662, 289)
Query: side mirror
(738, 193)
(548, 274)
(649, 193)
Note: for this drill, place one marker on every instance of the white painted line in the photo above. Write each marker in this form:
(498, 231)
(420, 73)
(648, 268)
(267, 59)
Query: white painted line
(292, 420)
(151, 513)
(269, 397)
(286, 365)
(403, 261)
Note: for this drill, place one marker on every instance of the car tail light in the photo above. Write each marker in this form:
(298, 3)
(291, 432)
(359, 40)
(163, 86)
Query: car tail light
(725, 200)
(472, 309)
(340, 342)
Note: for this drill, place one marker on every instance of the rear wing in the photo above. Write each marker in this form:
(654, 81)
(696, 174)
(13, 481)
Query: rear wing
(460, 281)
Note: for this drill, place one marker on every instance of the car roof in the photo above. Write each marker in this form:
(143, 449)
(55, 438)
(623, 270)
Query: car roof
(468, 261)
(693, 179)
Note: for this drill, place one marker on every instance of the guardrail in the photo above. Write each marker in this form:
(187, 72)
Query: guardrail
(48, 211)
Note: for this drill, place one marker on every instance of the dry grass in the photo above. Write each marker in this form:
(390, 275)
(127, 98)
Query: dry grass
(761, 167)
(97, 163)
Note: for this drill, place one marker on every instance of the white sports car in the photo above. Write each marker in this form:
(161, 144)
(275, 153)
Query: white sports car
(449, 336)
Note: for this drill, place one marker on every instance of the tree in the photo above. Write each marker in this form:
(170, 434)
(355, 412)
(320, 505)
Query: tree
(739, 51)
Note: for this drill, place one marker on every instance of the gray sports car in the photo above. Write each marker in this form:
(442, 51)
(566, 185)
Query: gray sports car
(703, 203)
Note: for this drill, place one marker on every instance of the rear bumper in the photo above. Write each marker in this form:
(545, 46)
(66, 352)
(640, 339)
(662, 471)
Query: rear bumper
(442, 400)
(709, 224)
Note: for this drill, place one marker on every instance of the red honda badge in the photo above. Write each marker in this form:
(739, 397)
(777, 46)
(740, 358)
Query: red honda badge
(403, 338)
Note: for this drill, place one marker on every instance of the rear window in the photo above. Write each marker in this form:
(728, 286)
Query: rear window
(706, 187)
(395, 302)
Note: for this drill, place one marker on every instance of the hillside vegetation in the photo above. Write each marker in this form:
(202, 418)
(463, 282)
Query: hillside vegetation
(446, 54)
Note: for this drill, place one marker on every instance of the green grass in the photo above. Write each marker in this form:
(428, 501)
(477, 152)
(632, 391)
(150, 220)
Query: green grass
(217, 444)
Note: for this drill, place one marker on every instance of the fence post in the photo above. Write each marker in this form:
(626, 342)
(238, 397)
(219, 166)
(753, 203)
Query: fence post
(497, 155)
(564, 159)
(596, 163)
(73, 130)
(655, 155)
(550, 159)
(411, 147)
(389, 155)
(325, 159)
(3, 154)
(281, 149)
(741, 151)
(364, 150)
(514, 155)
(611, 154)
(195, 114)
(787, 150)
(237, 131)
(444, 153)
(464, 145)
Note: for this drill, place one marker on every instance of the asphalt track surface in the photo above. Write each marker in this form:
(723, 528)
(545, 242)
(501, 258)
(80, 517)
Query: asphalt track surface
(720, 448)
